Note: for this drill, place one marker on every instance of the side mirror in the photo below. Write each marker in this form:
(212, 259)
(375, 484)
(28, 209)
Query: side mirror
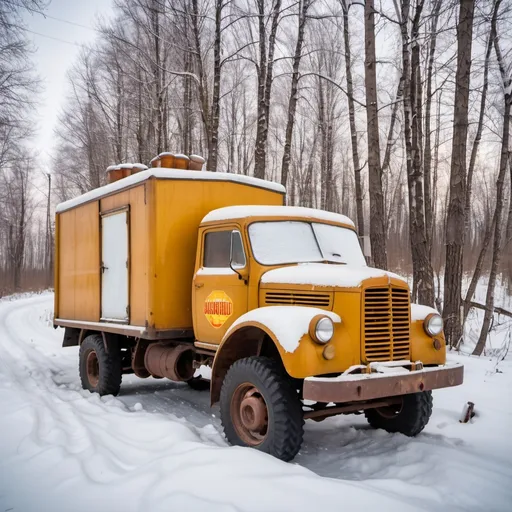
(237, 260)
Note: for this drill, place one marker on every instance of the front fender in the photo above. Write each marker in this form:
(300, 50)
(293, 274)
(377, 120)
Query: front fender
(287, 327)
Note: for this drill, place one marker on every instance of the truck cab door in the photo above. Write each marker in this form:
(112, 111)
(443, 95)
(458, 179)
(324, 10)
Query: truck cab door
(219, 292)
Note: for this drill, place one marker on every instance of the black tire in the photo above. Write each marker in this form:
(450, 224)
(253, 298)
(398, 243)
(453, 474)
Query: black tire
(284, 428)
(100, 372)
(199, 384)
(409, 418)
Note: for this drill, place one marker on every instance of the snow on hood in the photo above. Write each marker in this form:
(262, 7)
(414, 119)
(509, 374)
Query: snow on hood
(323, 274)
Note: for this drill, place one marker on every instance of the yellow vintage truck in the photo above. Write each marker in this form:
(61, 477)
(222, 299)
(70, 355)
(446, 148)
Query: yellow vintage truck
(168, 269)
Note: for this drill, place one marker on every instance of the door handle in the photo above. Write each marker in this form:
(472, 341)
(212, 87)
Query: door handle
(103, 268)
(199, 285)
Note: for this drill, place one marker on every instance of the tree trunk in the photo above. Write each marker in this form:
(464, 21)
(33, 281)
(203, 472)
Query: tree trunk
(157, 75)
(215, 108)
(202, 82)
(490, 228)
(392, 122)
(265, 77)
(478, 136)
(479, 266)
(352, 120)
(498, 214)
(422, 267)
(422, 271)
(455, 217)
(292, 102)
(377, 216)
(427, 163)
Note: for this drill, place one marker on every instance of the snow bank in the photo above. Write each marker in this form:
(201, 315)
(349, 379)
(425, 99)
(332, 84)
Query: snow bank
(238, 212)
(170, 174)
(288, 323)
(322, 274)
(420, 312)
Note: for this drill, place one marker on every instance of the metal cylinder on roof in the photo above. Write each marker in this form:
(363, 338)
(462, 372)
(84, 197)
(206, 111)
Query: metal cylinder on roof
(138, 168)
(196, 163)
(181, 161)
(167, 160)
(114, 173)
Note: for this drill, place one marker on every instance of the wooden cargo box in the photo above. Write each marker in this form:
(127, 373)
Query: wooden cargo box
(125, 252)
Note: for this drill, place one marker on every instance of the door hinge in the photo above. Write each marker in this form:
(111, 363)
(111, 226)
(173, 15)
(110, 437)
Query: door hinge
(128, 311)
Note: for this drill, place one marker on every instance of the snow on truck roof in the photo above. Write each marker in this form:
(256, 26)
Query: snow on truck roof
(239, 212)
(172, 174)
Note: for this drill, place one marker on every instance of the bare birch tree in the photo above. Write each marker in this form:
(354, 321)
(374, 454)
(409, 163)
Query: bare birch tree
(455, 218)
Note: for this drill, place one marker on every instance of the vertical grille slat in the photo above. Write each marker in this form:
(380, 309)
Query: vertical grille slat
(386, 324)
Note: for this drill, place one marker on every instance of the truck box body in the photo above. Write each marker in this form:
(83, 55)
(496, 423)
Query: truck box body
(125, 252)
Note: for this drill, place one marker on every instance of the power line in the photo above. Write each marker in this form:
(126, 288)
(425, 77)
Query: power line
(68, 22)
(42, 13)
(47, 36)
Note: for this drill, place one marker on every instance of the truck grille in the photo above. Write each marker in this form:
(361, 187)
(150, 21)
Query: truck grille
(317, 300)
(386, 323)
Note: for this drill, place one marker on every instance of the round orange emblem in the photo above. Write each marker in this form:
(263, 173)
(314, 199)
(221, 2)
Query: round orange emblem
(218, 307)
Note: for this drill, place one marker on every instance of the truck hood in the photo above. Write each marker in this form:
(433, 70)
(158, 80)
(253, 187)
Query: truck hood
(324, 274)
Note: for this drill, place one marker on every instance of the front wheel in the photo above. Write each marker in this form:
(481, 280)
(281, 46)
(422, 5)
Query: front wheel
(260, 408)
(409, 416)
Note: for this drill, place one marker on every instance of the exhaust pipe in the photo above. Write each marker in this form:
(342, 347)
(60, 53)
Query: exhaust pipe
(174, 362)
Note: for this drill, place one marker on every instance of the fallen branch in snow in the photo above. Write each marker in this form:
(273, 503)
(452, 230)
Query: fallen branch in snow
(498, 310)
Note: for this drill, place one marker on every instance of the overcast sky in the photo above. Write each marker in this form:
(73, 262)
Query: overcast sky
(55, 56)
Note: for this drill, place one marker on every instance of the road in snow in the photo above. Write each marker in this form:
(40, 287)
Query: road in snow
(159, 447)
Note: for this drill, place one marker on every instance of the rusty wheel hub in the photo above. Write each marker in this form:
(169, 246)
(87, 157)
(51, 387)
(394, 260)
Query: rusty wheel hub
(93, 368)
(249, 414)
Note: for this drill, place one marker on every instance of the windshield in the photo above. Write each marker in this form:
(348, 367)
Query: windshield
(275, 243)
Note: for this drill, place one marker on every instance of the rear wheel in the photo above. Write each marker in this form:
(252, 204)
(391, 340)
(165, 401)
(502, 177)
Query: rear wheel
(410, 416)
(260, 408)
(100, 372)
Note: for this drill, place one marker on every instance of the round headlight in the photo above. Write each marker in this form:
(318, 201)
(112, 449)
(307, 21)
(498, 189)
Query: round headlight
(323, 329)
(433, 324)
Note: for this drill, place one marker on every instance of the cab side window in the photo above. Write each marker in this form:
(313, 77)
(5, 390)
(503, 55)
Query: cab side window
(217, 248)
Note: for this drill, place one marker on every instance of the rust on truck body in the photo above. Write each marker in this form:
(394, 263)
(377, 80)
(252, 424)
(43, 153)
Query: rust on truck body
(371, 386)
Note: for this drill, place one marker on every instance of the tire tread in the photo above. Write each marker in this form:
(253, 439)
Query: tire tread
(111, 372)
(288, 427)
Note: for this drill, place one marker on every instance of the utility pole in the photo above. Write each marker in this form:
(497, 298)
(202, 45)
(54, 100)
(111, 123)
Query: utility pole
(49, 249)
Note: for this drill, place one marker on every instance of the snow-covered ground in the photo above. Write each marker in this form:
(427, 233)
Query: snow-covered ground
(159, 447)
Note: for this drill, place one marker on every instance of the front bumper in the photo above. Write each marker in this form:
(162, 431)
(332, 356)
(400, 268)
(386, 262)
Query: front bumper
(383, 381)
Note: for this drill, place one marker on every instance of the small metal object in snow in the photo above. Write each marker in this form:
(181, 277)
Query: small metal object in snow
(467, 412)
